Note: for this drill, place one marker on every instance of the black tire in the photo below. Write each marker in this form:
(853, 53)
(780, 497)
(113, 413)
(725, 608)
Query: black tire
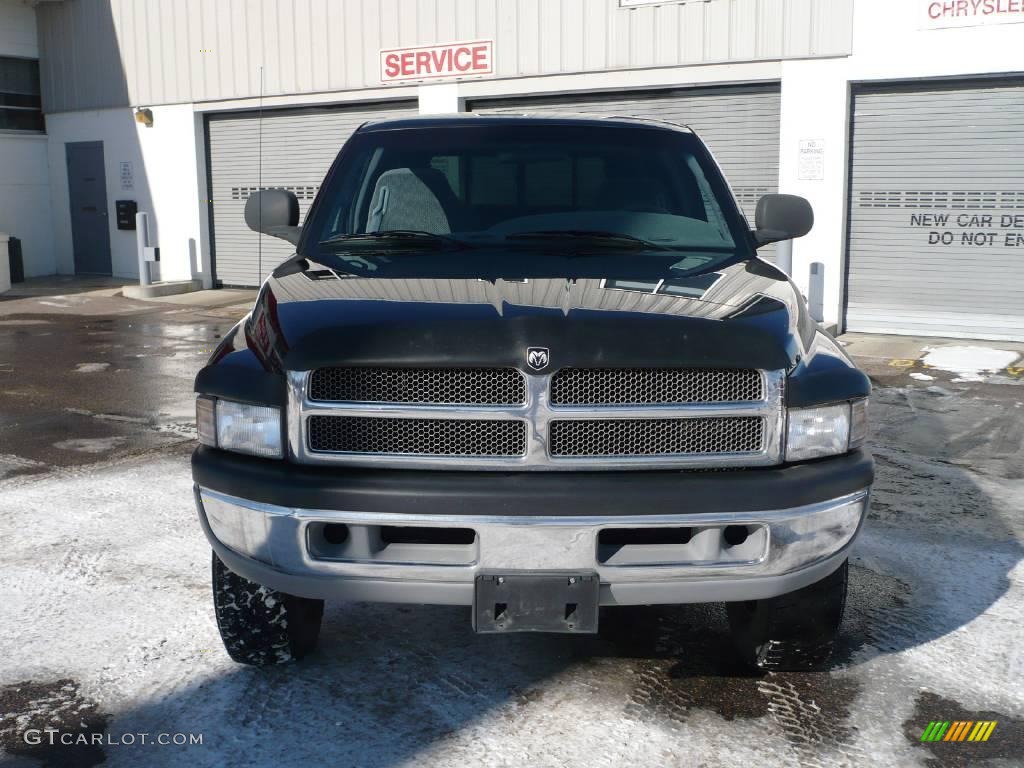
(791, 632)
(261, 626)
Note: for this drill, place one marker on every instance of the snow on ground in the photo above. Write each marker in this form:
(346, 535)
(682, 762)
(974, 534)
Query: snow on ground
(91, 367)
(107, 628)
(90, 445)
(969, 363)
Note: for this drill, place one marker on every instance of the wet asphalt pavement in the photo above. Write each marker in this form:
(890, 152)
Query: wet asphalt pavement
(107, 626)
(76, 388)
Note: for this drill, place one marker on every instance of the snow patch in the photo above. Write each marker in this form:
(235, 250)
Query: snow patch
(91, 445)
(108, 416)
(922, 376)
(182, 429)
(91, 367)
(969, 363)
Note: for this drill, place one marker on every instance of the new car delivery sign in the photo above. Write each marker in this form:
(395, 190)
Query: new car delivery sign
(429, 62)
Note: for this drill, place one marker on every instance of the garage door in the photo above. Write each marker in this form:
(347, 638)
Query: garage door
(298, 147)
(936, 219)
(739, 124)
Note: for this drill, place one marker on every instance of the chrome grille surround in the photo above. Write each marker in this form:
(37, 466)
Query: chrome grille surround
(438, 386)
(538, 414)
(655, 386)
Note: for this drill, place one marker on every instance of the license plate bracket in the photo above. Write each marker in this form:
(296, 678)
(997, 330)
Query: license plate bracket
(536, 602)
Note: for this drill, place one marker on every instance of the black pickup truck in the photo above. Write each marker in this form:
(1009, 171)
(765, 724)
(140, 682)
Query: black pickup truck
(533, 366)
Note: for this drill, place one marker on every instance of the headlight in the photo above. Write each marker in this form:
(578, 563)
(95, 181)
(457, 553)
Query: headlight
(826, 430)
(252, 429)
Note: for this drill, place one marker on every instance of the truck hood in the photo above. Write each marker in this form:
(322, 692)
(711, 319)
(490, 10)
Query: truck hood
(745, 315)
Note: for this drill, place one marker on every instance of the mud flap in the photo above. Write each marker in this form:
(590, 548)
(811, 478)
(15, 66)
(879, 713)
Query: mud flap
(536, 602)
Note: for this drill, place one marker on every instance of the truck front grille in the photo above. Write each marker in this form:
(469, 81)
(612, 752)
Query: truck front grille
(655, 386)
(419, 437)
(656, 437)
(503, 418)
(439, 386)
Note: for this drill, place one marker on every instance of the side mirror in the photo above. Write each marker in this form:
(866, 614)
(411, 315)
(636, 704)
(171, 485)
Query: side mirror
(782, 217)
(274, 212)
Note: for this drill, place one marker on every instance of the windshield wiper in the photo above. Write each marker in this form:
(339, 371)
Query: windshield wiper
(394, 238)
(590, 236)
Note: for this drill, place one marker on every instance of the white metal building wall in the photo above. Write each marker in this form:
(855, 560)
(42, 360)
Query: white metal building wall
(936, 211)
(287, 149)
(108, 53)
(740, 124)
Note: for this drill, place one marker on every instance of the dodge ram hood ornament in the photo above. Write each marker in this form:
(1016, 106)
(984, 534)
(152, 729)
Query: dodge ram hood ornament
(538, 358)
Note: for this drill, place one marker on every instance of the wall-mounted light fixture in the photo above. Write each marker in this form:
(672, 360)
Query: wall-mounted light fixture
(144, 116)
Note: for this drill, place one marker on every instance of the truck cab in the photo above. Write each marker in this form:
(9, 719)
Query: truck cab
(536, 367)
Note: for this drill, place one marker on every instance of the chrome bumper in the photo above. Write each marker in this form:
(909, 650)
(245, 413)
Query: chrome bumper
(290, 550)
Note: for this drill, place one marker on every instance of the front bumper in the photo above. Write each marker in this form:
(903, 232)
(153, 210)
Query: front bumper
(690, 554)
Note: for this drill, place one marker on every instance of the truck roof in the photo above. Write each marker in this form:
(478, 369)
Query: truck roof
(508, 118)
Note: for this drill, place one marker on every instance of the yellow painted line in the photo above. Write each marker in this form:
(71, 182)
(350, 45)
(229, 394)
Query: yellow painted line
(1015, 370)
(902, 363)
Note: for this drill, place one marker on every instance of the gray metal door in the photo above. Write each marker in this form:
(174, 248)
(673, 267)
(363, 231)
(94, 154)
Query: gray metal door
(936, 211)
(87, 196)
(297, 149)
(740, 124)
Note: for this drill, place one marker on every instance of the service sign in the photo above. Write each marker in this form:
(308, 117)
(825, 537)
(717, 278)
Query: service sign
(940, 14)
(429, 62)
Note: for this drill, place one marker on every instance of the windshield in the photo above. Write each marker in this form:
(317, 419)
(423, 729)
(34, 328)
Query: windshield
(565, 189)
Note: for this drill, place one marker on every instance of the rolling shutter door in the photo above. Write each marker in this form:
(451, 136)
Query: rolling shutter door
(298, 148)
(936, 217)
(739, 124)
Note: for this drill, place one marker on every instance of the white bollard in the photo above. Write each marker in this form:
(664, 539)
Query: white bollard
(5, 263)
(816, 291)
(141, 243)
(784, 256)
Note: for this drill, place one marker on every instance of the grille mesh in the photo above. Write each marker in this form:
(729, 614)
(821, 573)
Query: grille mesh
(448, 386)
(654, 386)
(420, 437)
(653, 437)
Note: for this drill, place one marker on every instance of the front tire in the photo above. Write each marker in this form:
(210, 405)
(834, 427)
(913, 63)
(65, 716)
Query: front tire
(261, 626)
(791, 632)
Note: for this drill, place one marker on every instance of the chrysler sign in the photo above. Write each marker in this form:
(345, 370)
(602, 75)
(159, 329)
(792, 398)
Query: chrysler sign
(971, 13)
(428, 62)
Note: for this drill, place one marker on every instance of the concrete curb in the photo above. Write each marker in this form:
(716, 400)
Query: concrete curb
(161, 289)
